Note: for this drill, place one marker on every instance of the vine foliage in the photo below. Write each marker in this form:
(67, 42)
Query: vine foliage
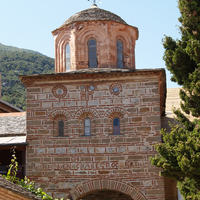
(25, 183)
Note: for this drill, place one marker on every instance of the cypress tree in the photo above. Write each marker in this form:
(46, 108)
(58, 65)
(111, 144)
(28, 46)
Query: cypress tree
(179, 155)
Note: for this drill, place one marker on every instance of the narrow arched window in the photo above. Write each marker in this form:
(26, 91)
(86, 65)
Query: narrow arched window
(67, 59)
(120, 58)
(60, 128)
(87, 126)
(116, 126)
(92, 52)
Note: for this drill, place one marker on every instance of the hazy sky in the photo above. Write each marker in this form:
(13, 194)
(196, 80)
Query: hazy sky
(28, 24)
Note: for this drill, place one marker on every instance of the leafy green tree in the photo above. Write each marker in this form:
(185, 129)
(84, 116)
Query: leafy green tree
(179, 155)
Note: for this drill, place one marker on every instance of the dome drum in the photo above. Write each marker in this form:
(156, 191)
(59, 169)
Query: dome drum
(94, 38)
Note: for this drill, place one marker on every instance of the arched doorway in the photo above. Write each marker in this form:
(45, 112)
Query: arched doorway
(106, 189)
(105, 195)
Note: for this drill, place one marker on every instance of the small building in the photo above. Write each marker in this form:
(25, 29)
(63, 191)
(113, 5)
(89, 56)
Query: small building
(92, 125)
(12, 133)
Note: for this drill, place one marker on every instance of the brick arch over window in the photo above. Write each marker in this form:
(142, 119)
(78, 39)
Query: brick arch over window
(54, 113)
(87, 112)
(83, 37)
(112, 114)
(60, 115)
(62, 40)
(88, 187)
(115, 112)
(128, 46)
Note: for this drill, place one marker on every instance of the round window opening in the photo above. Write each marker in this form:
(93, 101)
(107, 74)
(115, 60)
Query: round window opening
(92, 87)
(115, 89)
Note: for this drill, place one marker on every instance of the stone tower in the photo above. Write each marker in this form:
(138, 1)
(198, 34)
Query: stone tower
(98, 33)
(92, 125)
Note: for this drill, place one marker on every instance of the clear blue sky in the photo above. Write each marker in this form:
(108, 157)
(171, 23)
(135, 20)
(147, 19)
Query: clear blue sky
(28, 24)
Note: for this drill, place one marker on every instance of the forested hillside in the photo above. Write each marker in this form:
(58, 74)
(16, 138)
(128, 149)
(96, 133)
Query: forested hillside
(16, 49)
(14, 63)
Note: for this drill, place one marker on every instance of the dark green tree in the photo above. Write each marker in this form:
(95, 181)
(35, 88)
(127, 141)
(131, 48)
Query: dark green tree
(13, 62)
(179, 155)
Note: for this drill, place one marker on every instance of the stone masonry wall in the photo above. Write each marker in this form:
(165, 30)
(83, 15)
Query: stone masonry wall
(12, 124)
(60, 165)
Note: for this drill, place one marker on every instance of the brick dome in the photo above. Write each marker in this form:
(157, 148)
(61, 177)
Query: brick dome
(94, 13)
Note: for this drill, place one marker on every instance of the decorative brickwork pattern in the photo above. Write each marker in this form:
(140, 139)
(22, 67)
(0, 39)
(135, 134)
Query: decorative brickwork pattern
(115, 89)
(59, 91)
(81, 190)
(65, 165)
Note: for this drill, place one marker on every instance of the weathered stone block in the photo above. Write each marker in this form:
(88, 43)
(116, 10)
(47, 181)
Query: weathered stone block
(136, 119)
(144, 129)
(33, 160)
(60, 150)
(32, 105)
(61, 159)
(134, 139)
(33, 123)
(85, 159)
(83, 150)
(117, 158)
(33, 90)
(144, 109)
(100, 149)
(154, 139)
(153, 119)
(149, 100)
(110, 149)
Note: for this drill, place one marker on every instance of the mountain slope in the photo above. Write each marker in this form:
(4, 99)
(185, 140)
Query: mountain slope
(16, 49)
(14, 63)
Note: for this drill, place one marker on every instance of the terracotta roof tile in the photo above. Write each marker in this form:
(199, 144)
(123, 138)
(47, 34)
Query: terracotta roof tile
(93, 14)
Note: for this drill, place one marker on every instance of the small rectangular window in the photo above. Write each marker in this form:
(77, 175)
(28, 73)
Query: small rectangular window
(116, 126)
(60, 128)
(92, 51)
(67, 59)
(87, 128)
(120, 59)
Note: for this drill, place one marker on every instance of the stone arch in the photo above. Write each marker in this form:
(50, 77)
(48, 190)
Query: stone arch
(63, 112)
(88, 187)
(61, 40)
(129, 45)
(115, 112)
(57, 115)
(80, 114)
(92, 31)
(84, 113)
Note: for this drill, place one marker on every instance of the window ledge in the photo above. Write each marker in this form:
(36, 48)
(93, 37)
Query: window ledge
(65, 136)
(87, 135)
(117, 135)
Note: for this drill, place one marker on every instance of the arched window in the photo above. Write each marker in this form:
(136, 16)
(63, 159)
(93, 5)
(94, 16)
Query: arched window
(92, 52)
(60, 128)
(116, 126)
(67, 59)
(87, 126)
(120, 58)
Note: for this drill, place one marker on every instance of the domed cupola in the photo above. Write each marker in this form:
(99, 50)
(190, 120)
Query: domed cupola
(94, 38)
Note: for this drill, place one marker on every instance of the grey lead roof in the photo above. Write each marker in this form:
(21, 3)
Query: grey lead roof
(94, 13)
(12, 124)
(9, 105)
